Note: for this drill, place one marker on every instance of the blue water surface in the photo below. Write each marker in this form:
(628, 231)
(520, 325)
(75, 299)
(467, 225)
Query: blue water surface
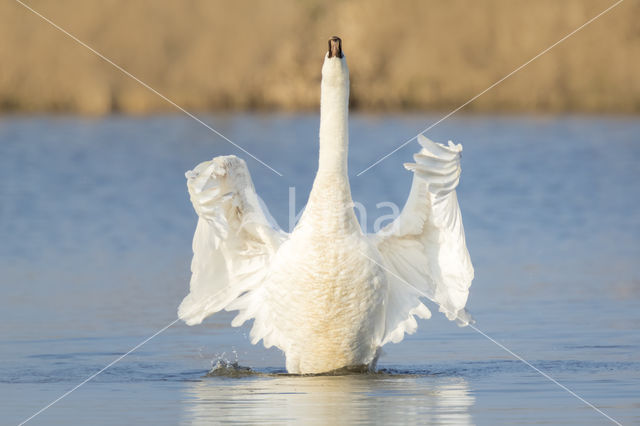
(95, 246)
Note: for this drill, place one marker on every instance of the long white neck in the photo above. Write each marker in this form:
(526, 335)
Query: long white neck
(330, 207)
(334, 112)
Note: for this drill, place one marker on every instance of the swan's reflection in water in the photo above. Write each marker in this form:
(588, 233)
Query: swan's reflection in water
(331, 400)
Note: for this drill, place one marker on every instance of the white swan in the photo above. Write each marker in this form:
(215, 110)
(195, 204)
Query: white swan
(326, 294)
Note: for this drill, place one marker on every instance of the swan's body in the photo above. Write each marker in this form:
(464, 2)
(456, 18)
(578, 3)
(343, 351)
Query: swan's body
(328, 295)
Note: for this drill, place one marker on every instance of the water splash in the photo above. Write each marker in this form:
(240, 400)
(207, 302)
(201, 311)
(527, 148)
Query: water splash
(223, 367)
(231, 369)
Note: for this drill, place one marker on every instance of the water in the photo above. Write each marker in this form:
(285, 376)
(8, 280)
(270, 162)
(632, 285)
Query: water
(95, 237)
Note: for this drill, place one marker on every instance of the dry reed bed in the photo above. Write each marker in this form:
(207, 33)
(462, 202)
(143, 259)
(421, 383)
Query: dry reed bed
(411, 54)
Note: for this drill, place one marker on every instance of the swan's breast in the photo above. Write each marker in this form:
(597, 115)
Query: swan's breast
(327, 299)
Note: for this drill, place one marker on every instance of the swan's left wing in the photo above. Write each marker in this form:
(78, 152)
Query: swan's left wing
(234, 241)
(424, 249)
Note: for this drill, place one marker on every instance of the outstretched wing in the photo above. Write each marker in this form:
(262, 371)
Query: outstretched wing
(234, 240)
(424, 249)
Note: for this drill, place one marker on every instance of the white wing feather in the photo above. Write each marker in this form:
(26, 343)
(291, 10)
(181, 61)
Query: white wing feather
(424, 249)
(234, 240)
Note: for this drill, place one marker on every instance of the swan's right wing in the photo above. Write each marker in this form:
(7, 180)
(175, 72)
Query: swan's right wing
(424, 249)
(234, 241)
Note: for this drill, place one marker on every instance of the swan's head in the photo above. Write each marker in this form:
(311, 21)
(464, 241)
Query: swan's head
(335, 71)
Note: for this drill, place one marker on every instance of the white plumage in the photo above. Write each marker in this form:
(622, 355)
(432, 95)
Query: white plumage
(328, 295)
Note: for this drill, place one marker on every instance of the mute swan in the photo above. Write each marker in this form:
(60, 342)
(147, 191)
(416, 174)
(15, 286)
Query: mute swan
(326, 294)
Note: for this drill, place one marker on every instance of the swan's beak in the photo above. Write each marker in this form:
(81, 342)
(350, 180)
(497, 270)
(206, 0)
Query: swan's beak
(335, 47)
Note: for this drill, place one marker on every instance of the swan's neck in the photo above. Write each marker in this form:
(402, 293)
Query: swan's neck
(329, 213)
(334, 112)
(330, 207)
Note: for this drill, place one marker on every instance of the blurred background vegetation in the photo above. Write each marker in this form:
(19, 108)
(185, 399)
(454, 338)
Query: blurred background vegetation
(245, 55)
